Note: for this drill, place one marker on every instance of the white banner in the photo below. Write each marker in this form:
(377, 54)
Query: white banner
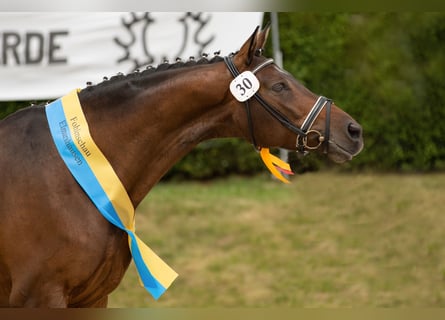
(45, 55)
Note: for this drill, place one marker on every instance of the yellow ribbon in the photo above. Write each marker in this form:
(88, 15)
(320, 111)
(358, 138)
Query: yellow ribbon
(274, 164)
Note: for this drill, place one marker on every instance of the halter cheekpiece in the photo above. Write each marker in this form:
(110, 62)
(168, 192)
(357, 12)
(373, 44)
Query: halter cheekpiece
(305, 131)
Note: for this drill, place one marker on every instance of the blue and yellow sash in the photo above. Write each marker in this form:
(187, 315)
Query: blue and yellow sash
(97, 178)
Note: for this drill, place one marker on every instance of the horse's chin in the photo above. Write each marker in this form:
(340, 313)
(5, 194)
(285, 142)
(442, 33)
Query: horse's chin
(340, 154)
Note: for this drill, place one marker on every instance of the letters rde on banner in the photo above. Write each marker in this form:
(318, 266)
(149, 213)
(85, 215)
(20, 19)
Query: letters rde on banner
(32, 48)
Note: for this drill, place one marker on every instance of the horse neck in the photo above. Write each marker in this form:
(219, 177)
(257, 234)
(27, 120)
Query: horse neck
(144, 131)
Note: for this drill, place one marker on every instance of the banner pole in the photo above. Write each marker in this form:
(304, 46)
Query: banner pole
(278, 58)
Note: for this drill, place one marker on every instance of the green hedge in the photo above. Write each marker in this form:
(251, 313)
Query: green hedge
(385, 69)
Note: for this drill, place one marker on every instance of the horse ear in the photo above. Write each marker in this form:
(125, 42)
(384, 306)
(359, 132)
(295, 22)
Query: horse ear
(263, 35)
(256, 41)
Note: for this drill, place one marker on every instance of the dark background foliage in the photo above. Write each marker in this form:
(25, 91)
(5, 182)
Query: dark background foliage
(385, 69)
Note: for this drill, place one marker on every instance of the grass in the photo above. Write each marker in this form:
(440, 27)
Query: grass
(326, 240)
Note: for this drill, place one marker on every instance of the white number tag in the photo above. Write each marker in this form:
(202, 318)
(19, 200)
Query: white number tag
(244, 86)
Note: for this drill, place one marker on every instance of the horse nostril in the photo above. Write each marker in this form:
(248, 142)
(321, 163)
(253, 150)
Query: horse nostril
(355, 130)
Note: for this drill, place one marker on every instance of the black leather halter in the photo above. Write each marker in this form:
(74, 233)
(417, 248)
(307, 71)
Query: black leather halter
(305, 130)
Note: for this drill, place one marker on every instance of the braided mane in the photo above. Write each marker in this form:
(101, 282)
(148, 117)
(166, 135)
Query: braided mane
(161, 67)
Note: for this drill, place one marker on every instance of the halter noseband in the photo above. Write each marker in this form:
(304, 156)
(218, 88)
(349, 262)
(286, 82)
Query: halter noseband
(305, 130)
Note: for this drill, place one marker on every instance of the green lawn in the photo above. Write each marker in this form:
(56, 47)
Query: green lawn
(326, 240)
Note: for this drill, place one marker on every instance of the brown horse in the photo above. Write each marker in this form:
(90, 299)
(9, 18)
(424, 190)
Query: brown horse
(56, 249)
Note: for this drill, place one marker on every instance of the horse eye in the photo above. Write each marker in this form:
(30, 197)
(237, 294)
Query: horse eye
(278, 87)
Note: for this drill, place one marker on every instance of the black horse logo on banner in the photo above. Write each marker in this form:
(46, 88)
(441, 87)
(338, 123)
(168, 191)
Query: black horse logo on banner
(186, 35)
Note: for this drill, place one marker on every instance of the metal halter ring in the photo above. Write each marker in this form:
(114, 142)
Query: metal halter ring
(321, 139)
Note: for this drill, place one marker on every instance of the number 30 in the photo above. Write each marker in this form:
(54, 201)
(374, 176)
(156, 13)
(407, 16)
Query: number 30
(246, 84)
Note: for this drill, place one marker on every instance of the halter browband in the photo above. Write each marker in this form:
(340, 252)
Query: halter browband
(302, 133)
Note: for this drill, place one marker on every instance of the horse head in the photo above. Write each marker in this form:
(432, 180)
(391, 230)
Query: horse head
(284, 113)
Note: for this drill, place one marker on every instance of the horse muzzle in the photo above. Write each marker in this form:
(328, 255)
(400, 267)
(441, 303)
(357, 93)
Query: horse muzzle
(346, 143)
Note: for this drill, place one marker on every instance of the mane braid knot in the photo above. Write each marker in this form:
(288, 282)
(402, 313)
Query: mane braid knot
(165, 65)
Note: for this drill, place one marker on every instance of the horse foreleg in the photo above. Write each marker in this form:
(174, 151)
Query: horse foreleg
(101, 303)
(31, 295)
